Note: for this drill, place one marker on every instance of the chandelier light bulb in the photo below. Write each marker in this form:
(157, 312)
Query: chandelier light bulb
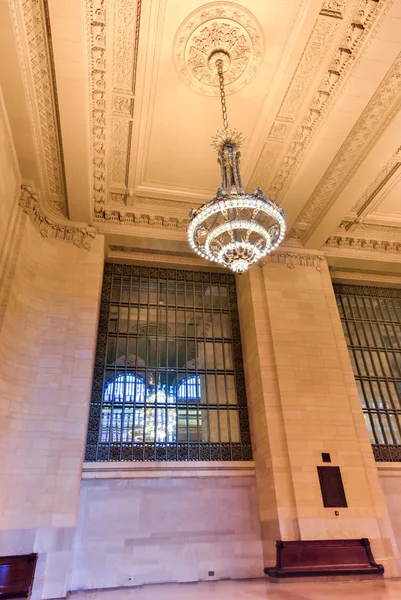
(235, 229)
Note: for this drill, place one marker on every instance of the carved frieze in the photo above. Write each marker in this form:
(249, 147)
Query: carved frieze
(80, 236)
(33, 38)
(363, 245)
(293, 259)
(212, 27)
(113, 35)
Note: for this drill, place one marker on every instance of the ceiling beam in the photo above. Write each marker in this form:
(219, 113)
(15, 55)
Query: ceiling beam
(68, 41)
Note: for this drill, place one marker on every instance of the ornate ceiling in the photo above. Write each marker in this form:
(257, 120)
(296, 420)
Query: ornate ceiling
(112, 106)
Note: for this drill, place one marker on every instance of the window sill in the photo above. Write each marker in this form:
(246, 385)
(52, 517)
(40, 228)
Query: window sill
(389, 469)
(127, 470)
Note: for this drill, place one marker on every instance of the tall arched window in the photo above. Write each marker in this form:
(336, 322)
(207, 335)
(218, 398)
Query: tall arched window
(169, 381)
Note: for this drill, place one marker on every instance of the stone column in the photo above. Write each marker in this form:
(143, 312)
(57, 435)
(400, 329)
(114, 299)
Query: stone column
(303, 401)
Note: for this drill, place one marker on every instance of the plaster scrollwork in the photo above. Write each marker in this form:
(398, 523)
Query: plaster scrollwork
(123, 105)
(96, 33)
(221, 26)
(118, 198)
(380, 110)
(33, 39)
(293, 260)
(318, 43)
(126, 24)
(120, 135)
(357, 26)
(80, 236)
(113, 36)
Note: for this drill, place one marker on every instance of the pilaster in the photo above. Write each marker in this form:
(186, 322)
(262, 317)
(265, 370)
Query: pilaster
(303, 401)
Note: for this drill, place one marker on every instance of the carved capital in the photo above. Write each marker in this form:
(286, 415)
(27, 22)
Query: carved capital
(80, 236)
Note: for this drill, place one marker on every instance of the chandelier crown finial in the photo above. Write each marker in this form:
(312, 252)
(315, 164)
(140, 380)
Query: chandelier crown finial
(235, 229)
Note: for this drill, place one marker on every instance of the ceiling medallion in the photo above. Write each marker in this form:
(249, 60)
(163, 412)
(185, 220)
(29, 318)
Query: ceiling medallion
(235, 229)
(224, 27)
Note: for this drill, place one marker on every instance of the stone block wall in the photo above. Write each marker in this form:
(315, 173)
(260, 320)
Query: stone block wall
(152, 530)
(303, 401)
(47, 343)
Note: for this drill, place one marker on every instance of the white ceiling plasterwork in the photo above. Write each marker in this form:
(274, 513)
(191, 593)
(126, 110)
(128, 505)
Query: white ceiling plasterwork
(113, 34)
(385, 103)
(347, 25)
(80, 236)
(33, 40)
(219, 26)
(314, 85)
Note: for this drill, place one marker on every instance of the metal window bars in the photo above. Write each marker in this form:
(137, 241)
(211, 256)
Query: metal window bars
(168, 379)
(371, 320)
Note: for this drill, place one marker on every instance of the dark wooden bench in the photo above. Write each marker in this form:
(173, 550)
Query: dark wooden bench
(323, 557)
(16, 575)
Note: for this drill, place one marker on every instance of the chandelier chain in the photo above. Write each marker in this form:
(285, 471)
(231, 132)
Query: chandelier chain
(219, 64)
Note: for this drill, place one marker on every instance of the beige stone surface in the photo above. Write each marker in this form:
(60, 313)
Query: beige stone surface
(390, 479)
(303, 401)
(47, 343)
(156, 530)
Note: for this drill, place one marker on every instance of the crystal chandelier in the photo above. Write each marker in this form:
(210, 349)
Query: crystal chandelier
(235, 229)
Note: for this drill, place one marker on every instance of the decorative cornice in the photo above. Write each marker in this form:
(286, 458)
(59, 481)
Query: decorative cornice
(354, 245)
(293, 259)
(366, 15)
(128, 218)
(80, 236)
(385, 103)
(33, 38)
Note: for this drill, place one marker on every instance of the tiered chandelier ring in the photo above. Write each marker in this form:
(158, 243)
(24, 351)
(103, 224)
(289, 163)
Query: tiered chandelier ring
(235, 229)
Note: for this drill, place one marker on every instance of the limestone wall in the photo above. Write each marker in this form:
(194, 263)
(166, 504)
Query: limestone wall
(147, 530)
(303, 401)
(390, 479)
(47, 343)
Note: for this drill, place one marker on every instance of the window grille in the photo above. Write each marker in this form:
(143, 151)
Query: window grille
(168, 381)
(371, 320)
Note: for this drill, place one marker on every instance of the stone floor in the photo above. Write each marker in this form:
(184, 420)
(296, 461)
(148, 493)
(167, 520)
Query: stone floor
(253, 590)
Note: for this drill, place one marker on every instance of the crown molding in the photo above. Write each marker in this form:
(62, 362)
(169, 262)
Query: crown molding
(80, 236)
